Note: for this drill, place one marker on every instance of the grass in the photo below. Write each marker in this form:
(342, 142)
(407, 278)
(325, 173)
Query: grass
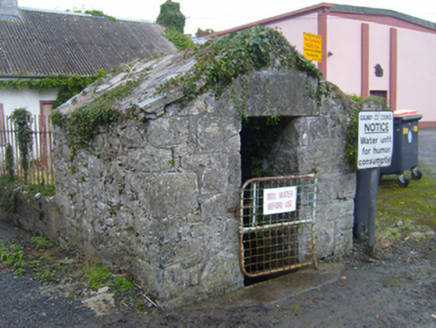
(41, 242)
(38, 256)
(123, 283)
(96, 275)
(407, 212)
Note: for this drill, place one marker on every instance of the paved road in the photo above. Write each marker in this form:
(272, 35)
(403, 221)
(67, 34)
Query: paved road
(427, 148)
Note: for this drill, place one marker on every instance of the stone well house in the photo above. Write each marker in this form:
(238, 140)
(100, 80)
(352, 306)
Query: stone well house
(152, 193)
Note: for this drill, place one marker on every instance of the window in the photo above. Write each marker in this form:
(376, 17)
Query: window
(379, 93)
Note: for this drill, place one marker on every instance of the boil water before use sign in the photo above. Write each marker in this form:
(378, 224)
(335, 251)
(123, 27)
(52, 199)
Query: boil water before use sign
(279, 200)
(375, 144)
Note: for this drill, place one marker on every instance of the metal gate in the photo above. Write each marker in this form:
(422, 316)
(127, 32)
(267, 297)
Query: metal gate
(276, 218)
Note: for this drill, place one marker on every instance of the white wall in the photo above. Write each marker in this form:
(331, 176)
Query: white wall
(379, 53)
(344, 66)
(417, 72)
(29, 99)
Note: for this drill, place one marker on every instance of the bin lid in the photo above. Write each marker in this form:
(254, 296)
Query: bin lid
(405, 112)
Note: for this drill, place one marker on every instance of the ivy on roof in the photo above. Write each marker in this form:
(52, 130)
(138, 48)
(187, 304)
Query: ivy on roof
(221, 60)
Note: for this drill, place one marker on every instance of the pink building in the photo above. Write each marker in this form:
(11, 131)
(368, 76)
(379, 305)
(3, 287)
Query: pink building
(368, 51)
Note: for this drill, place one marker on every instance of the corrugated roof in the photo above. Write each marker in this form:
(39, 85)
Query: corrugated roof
(45, 43)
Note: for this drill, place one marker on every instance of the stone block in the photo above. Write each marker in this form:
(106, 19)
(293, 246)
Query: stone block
(218, 134)
(171, 193)
(213, 181)
(149, 159)
(325, 238)
(168, 132)
(267, 97)
(336, 210)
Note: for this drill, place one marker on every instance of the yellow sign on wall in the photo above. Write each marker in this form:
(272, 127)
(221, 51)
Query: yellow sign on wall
(312, 46)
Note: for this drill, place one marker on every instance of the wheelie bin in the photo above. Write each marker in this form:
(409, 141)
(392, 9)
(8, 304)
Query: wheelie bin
(405, 152)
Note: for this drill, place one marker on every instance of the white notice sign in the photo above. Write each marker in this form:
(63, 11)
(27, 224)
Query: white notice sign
(376, 142)
(279, 200)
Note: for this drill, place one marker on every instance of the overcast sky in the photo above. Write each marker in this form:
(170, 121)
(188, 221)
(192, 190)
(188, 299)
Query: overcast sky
(223, 14)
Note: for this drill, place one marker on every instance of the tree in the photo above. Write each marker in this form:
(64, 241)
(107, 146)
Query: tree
(201, 32)
(180, 40)
(171, 17)
(92, 12)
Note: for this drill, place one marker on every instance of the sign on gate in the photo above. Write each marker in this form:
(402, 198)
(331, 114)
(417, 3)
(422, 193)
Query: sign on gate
(375, 136)
(279, 200)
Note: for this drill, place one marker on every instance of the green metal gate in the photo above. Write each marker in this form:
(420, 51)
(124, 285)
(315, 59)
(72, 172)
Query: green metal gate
(276, 219)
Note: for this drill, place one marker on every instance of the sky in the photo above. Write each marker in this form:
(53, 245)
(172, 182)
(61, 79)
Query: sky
(223, 14)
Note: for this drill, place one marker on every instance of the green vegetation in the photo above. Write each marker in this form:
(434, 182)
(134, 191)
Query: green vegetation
(11, 187)
(37, 256)
(42, 189)
(22, 120)
(295, 307)
(9, 162)
(41, 242)
(173, 20)
(171, 17)
(180, 40)
(92, 12)
(96, 274)
(259, 136)
(99, 13)
(123, 283)
(85, 122)
(220, 61)
(68, 86)
(11, 254)
(201, 32)
(406, 212)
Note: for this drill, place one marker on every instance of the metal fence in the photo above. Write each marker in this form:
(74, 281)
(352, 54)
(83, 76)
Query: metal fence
(41, 168)
(276, 218)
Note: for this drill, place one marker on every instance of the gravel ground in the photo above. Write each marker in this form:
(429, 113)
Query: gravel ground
(21, 305)
(395, 289)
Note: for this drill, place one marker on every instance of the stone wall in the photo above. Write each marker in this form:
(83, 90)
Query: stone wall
(152, 194)
(35, 213)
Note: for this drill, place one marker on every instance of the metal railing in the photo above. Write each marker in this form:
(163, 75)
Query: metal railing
(41, 166)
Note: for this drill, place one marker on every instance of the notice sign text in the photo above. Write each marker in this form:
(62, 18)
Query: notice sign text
(375, 136)
(279, 200)
(312, 46)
